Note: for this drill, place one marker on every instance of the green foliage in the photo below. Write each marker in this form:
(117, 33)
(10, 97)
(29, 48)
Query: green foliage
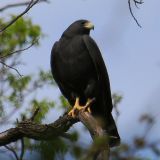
(18, 83)
(17, 88)
(64, 103)
(74, 136)
(45, 105)
(18, 94)
(52, 149)
(21, 33)
(116, 98)
(77, 151)
(45, 77)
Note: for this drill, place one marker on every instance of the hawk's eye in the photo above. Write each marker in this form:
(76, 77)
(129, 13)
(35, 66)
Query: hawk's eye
(83, 22)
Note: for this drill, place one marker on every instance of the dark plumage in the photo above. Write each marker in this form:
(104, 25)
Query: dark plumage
(79, 70)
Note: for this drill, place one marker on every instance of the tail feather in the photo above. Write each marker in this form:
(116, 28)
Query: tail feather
(107, 122)
(111, 129)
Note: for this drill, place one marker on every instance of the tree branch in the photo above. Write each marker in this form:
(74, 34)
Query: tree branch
(30, 5)
(20, 50)
(36, 131)
(130, 9)
(98, 151)
(29, 129)
(6, 65)
(13, 151)
(22, 149)
(19, 5)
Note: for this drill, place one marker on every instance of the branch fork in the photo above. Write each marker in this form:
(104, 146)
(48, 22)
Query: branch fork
(28, 128)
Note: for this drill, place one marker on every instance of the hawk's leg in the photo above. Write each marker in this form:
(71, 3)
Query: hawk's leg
(78, 107)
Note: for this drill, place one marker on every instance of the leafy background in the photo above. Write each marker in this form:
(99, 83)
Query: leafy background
(132, 58)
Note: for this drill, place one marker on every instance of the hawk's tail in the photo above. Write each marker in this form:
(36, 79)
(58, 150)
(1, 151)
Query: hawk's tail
(111, 129)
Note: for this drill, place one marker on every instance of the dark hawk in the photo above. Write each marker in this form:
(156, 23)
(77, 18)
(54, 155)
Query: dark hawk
(80, 72)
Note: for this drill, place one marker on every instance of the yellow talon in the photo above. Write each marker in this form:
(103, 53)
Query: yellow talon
(71, 113)
(89, 101)
(77, 106)
(77, 101)
(89, 110)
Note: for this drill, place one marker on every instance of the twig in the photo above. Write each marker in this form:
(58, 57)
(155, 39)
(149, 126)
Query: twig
(20, 50)
(30, 5)
(116, 98)
(22, 149)
(13, 151)
(18, 5)
(3, 63)
(136, 3)
(36, 131)
(34, 114)
(130, 9)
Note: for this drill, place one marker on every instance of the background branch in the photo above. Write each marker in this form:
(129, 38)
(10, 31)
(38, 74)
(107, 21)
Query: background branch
(30, 5)
(19, 5)
(131, 11)
(36, 131)
(22, 149)
(6, 65)
(20, 50)
(13, 151)
(29, 129)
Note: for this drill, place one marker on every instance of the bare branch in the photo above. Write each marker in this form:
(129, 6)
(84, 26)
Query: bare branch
(20, 50)
(29, 129)
(30, 5)
(13, 151)
(36, 131)
(34, 114)
(19, 5)
(3, 63)
(130, 9)
(22, 149)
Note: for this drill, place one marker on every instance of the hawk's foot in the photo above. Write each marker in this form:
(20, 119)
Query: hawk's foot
(78, 107)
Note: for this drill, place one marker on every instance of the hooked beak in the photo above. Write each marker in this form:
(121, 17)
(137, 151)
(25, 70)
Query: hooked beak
(89, 25)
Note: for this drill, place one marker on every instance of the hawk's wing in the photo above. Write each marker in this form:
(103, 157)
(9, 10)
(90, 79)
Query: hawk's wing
(101, 70)
(53, 62)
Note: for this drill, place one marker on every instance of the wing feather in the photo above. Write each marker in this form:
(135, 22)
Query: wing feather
(63, 88)
(101, 70)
